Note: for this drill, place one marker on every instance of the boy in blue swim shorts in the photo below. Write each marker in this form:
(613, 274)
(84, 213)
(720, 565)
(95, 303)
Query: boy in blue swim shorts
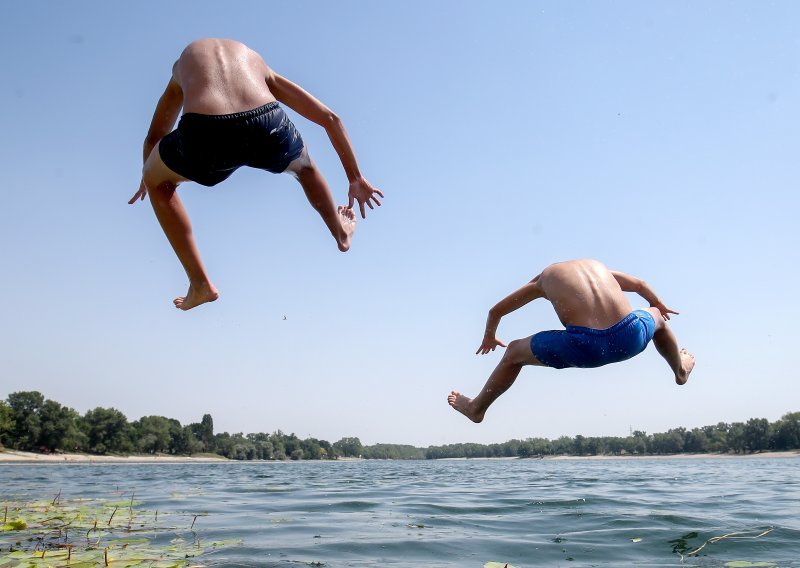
(600, 328)
(232, 118)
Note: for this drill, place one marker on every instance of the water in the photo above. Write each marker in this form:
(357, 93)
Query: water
(528, 513)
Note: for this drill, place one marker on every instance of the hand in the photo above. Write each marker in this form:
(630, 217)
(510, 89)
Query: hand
(489, 344)
(139, 194)
(665, 311)
(362, 190)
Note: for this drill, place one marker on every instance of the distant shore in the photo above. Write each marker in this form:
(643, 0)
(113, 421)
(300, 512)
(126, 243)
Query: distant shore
(756, 455)
(9, 457)
(16, 457)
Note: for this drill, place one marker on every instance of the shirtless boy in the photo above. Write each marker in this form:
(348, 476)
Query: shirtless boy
(601, 328)
(231, 118)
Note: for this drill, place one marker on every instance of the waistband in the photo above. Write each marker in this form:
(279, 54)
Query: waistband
(198, 117)
(623, 323)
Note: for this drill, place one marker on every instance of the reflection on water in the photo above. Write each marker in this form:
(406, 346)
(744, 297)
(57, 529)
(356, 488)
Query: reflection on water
(462, 513)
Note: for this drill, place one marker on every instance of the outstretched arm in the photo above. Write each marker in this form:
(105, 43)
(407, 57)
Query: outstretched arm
(630, 283)
(309, 107)
(513, 301)
(167, 111)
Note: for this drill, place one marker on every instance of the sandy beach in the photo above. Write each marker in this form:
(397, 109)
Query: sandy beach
(757, 455)
(15, 457)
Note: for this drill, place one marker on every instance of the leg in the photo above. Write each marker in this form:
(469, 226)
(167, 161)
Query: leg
(680, 361)
(341, 221)
(161, 184)
(517, 355)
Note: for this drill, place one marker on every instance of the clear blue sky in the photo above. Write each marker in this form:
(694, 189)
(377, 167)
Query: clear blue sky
(661, 138)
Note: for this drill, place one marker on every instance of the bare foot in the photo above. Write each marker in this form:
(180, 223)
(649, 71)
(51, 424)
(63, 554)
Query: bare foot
(687, 364)
(347, 220)
(464, 406)
(196, 296)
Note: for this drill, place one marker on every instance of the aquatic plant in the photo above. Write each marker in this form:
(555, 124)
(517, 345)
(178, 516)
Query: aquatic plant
(681, 545)
(98, 532)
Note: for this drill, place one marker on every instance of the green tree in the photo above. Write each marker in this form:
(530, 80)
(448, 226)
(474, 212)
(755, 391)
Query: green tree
(311, 449)
(107, 430)
(6, 424)
(189, 443)
(717, 437)
(348, 447)
(579, 445)
(206, 435)
(563, 445)
(695, 441)
(59, 427)
(153, 434)
(786, 432)
(27, 427)
(757, 434)
(736, 439)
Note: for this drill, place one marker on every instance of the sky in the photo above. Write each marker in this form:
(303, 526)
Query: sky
(659, 137)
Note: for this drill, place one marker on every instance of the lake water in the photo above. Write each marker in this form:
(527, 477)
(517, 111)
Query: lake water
(528, 513)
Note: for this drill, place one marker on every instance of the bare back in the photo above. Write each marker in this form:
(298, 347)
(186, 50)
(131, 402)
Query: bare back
(584, 293)
(221, 76)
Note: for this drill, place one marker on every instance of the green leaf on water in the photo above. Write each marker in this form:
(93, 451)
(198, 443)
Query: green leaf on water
(15, 525)
(498, 565)
(637, 539)
(746, 564)
(99, 531)
(226, 542)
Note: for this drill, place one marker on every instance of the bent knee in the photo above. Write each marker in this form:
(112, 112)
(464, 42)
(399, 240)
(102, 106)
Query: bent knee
(156, 185)
(301, 166)
(156, 175)
(519, 351)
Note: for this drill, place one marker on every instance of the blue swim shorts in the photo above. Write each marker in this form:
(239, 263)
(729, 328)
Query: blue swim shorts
(586, 347)
(207, 148)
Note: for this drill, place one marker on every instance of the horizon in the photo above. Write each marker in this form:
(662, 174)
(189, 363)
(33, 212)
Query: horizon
(658, 138)
(378, 443)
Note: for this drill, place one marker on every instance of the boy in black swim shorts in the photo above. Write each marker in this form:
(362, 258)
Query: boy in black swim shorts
(600, 328)
(207, 149)
(232, 118)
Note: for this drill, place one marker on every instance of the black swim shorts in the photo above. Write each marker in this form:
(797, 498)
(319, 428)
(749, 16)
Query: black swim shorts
(207, 149)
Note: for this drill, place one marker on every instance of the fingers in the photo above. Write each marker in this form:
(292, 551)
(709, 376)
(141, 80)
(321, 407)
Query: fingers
(139, 194)
(361, 207)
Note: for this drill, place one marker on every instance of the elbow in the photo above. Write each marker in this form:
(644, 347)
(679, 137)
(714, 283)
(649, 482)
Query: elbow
(331, 121)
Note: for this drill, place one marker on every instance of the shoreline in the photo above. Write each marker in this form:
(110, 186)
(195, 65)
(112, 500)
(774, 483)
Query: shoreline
(10, 457)
(757, 455)
(13, 457)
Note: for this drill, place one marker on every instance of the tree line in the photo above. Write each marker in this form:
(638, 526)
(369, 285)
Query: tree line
(30, 422)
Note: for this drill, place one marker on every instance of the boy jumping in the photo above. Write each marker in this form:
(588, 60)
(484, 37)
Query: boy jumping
(600, 329)
(231, 118)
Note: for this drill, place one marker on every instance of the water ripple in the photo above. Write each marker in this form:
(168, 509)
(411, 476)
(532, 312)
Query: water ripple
(529, 513)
